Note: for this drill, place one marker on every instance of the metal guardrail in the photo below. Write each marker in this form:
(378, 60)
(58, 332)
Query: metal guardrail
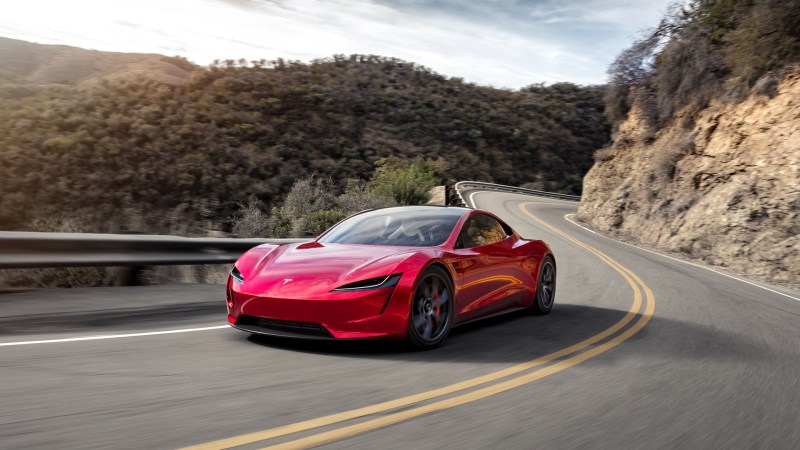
(20, 249)
(466, 185)
(36, 250)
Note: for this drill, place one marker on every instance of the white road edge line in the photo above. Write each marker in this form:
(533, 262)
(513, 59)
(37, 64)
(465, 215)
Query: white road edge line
(567, 216)
(472, 199)
(552, 201)
(112, 336)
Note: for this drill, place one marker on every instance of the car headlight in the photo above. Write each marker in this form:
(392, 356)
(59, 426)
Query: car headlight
(236, 275)
(371, 283)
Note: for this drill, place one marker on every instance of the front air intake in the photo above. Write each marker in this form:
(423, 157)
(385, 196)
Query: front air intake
(286, 328)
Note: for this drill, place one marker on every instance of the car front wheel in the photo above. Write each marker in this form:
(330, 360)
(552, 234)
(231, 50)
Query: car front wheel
(431, 313)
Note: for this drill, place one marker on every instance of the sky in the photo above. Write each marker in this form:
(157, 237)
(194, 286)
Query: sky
(500, 43)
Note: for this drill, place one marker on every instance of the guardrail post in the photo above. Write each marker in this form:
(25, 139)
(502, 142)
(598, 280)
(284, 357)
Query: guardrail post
(130, 276)
(452, 198)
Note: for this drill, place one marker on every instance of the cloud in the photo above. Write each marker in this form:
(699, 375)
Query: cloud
(504, 43)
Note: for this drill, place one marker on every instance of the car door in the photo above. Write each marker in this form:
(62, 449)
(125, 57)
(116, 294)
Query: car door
(485, 264)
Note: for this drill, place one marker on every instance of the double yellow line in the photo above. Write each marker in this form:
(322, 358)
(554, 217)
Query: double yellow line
(640, 292)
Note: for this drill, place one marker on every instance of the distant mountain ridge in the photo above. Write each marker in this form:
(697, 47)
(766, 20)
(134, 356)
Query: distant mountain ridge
(28, 63)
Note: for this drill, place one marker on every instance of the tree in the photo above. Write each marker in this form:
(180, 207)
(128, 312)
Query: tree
(251, 221)
(700, 50)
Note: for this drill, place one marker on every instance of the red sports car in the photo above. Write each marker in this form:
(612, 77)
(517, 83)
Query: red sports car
(410, 272)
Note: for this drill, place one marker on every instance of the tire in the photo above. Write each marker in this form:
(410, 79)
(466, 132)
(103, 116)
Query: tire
(431, 315)
(545, 287)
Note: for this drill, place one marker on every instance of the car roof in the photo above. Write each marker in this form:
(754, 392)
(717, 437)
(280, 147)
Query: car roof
(446, 210)
(428, 207)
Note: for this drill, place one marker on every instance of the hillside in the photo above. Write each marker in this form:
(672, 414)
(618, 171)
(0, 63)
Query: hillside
(709, 167)
(137, 150)
(25, 65)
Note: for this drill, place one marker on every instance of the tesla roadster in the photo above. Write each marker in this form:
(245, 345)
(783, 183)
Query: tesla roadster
(410, 272)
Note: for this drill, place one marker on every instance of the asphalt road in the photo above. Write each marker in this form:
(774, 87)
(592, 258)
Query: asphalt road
(641, 351)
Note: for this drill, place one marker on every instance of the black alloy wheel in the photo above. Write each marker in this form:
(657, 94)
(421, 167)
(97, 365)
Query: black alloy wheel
(545, 287)
(431, 310)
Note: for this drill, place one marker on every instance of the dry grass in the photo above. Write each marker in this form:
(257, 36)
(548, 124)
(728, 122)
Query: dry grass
(36, 64)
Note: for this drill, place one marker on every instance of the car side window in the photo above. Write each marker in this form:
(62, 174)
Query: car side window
(481, 230)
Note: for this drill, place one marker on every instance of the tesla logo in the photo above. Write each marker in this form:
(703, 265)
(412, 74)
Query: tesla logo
(286, 280)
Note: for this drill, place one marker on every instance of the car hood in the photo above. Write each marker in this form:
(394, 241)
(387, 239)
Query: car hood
(311, 269)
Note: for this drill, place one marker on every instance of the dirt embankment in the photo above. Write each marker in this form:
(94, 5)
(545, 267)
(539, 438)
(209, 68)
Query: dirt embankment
(725, 190)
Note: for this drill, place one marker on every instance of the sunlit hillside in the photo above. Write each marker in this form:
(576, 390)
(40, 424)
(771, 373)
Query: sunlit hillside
(25, 65)
(138, 149)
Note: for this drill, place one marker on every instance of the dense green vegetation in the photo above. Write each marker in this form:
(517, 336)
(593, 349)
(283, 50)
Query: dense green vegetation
(701, 50)
(141, 155)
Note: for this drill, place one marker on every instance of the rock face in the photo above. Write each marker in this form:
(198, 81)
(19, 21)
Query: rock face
(725, 189)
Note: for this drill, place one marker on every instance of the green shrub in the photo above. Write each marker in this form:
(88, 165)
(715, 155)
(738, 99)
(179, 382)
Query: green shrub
(280, 225)
(405, 182)
(320, 221)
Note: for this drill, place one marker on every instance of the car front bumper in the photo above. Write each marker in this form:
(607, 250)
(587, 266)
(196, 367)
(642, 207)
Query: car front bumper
(381, 313)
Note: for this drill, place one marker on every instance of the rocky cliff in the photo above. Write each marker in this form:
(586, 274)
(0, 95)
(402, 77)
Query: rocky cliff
(723, 188)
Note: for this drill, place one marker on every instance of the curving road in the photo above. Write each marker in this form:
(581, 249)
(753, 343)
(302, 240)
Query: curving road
(641, 351)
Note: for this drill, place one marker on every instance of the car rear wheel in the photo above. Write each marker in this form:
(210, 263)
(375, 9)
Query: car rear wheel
(431, 313)
(545, 288)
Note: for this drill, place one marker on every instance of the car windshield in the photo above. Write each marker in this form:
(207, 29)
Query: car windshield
(404, 226)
